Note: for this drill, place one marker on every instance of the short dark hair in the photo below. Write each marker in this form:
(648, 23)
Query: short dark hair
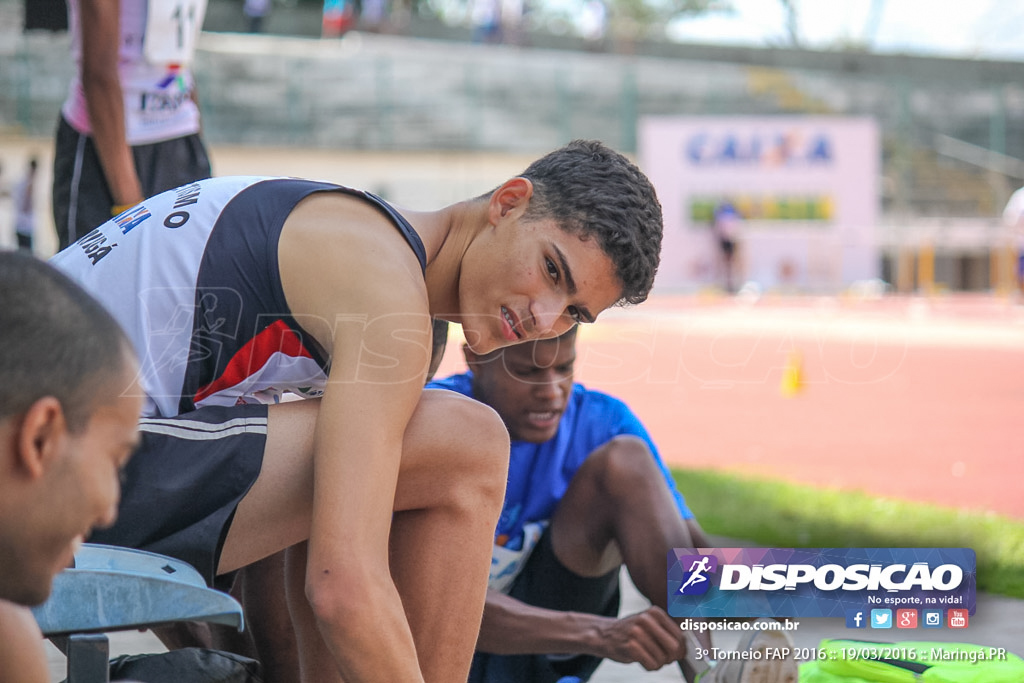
(496, 360)
(592, 190)
(567, 337)
(56, 340)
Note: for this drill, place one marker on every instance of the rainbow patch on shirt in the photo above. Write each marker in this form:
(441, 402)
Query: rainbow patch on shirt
(173, 76)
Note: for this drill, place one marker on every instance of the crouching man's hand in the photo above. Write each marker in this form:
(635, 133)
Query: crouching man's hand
(650, 638)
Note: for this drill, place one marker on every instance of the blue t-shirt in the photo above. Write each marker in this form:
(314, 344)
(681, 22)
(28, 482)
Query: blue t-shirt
(539, 473)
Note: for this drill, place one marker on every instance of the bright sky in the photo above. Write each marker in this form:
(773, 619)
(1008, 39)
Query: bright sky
(992, 29)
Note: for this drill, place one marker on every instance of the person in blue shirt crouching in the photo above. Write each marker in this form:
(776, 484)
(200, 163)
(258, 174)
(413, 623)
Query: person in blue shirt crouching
(587, 493)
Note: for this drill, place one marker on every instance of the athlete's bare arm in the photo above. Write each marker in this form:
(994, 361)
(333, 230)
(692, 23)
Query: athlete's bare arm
(357, 285)
(22, 657)
(101, 39)
(512, 627)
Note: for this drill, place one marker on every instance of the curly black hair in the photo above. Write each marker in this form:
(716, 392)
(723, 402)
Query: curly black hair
(593, 191)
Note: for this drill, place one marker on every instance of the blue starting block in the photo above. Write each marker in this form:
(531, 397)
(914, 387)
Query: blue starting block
(118, 589)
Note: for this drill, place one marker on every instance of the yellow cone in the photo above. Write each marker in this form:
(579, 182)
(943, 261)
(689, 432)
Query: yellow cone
(792, 375)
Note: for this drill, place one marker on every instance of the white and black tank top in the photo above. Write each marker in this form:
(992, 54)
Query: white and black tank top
(192, 276)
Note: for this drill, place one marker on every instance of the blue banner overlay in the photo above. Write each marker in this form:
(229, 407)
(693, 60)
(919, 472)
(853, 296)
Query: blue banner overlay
(817, 582)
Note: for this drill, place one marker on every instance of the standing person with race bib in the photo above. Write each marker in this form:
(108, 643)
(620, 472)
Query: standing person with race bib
(129, 128)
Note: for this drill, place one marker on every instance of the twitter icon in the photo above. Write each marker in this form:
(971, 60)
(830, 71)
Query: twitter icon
(881, 618)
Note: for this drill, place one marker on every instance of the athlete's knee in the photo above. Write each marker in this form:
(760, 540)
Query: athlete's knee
(623, 466)
(474, 447)
(486, 444)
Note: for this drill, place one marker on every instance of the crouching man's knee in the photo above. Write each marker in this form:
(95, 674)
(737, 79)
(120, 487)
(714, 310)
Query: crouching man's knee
(484, 453)
(467, 448)
(623, 466)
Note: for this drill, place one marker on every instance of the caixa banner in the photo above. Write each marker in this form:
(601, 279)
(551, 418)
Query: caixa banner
(817, 582)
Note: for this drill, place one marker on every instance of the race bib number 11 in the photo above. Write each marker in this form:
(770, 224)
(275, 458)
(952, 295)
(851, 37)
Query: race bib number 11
(172, 29)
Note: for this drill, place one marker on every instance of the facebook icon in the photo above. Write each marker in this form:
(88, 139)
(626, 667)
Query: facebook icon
(855, 618)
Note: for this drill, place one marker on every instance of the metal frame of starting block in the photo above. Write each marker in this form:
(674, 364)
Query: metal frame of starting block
(118, 589)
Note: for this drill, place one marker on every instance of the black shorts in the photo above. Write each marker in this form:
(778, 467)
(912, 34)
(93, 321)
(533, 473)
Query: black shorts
(545, 582)
(81, 195)
(182, 486)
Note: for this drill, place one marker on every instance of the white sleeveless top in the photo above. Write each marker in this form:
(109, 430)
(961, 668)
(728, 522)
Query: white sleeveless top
(157, 43)
(192, 277)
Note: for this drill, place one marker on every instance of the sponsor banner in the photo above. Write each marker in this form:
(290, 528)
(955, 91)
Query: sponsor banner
(806, 190)
(818, 582)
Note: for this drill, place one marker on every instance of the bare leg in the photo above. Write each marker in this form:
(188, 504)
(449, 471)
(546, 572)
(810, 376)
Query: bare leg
(184, 634)
(449, 493)
(730, 268)
(315, 662)
(442, 534)
(617, 511)
(260, 588)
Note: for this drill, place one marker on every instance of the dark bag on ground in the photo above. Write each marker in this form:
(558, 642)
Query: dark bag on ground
(188, 665)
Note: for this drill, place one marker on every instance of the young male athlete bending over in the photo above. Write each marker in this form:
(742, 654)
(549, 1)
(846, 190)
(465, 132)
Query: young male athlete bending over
(236, 290)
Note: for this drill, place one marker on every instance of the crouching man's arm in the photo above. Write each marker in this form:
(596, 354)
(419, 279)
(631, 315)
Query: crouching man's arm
(511, 626)
(22, 655)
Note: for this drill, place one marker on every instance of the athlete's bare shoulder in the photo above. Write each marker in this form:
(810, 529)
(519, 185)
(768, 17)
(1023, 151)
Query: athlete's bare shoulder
(341, 255)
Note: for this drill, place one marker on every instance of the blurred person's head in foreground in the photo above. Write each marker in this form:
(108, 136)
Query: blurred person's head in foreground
(69, 408)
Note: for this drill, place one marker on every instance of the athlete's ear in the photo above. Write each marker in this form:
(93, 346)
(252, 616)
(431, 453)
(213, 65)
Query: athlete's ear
(41, 436)
(513, 196)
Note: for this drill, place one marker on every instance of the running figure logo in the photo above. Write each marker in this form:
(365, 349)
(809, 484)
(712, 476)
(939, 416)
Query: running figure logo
(696, 581)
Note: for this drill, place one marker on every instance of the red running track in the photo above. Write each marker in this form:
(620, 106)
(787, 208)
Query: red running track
(920, 399)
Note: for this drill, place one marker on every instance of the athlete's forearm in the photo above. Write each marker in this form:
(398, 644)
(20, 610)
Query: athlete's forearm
(650, 637)
(357, 459)
(366, 630)
(22, 657)
(348, 581)
(511, 626)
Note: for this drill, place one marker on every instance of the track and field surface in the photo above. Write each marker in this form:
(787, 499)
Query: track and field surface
(914, 398)
(920, 399)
